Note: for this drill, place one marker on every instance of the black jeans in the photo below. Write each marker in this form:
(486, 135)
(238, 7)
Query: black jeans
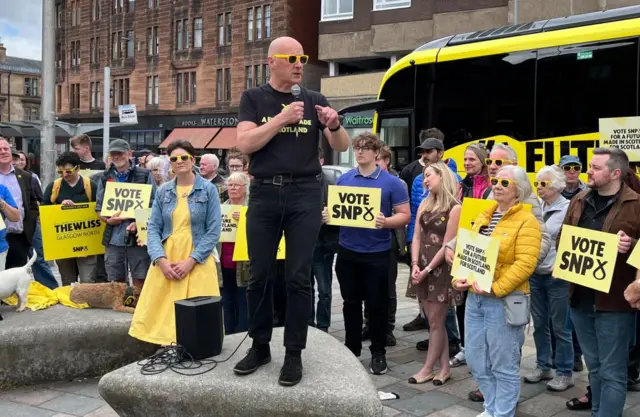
(296, 210)
(393, 296)
(18, 253)
(364, 277)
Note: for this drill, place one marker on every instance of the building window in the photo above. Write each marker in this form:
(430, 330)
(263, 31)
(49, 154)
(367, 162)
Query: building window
(221, 30)
(58, 56)
(98, 95)
(153, 41)
(58, 99)
(197, 32)
(153, 90)
(227, 82)
(94, 57)
(31, 87)
(95, 10)
(337, 9)
(116, 45)
(182, 35)
(92, 95)
(258, 75)
(75, 14)
(118, 6)
(228, 18)
(156, 90)
(219, 85)
(31, 113)
(59, 16)
(132, 6)
(179, 89)
(267, 72)
(390, 4)
(186, 88)
(250, 27)
(120, 92)
(149, 91)
(267, 21)
(154, 4)
(130, 43)
(249, 77)
(74, 97)
(75, 54)
(258, 23)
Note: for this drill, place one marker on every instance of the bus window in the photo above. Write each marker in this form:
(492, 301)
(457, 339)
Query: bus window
(579, 84)
(482, 97)
(398, 90)
(394, 131)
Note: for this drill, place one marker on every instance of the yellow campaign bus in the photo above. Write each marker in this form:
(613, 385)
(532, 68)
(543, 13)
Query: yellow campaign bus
(541, 87)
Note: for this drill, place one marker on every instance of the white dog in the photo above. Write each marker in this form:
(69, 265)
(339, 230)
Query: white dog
(16, 281)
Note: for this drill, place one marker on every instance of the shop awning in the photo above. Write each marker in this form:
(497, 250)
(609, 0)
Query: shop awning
(226, 139)
(198, 136)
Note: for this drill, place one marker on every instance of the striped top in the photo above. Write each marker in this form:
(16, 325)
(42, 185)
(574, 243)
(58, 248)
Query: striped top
(495, 218)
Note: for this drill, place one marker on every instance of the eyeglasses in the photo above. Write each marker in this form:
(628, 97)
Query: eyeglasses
(361, 149)
(67, 171)
(184, 157)
(155, 170)
(498, 162)
(572, 168)
(293, 58)
(542, 184)
(236, 167)
(504, 182)
(235, 185)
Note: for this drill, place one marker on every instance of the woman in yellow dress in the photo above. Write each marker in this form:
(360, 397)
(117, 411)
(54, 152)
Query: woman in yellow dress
(182, 232)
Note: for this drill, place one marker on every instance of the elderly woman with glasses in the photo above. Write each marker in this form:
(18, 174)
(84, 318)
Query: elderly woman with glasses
(235, 275)
(182, 234)
(495, 321)
(550, 296)
(159, 168)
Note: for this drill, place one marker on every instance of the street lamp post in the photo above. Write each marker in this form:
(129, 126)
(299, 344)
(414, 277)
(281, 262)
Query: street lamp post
(48, 112)
(105, 113)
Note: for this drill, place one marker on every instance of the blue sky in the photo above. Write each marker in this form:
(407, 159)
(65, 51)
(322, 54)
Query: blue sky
(21, 27)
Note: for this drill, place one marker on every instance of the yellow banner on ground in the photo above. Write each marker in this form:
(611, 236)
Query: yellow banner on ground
(622, 133)
(240, 250)
(142, 218)
(475, 258)
(125, 198)
(586, 257)
(354, 206)
(472, 207)
(71, 232)
(229, 228)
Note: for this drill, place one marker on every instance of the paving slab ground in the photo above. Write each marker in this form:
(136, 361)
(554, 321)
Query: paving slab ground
(81, 399)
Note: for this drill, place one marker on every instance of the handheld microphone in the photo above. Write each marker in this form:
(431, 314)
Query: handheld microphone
(295, 90)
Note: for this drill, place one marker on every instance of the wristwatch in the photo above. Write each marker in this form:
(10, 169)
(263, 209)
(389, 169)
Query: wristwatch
(339, 125)
(429, 270)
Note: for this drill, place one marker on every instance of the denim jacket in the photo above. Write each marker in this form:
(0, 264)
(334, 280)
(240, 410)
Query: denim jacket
(204, 207)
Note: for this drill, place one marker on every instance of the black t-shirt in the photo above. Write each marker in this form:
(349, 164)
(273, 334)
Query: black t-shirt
(77, 193)
(285, 154)
(94, 165)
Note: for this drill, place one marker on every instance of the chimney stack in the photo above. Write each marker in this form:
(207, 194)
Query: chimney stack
(3, 51)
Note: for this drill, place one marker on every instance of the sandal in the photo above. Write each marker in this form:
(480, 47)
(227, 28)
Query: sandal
(575, 404)
(455, 362)
(476, 396)
(417, 380)
(441, 379)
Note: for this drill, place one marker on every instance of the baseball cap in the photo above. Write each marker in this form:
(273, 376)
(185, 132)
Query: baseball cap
(14, 153)
(119, 145)
(569, 160)
(431, 143)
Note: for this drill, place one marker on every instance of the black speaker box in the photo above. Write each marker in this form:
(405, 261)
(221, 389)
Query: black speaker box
(199, 327)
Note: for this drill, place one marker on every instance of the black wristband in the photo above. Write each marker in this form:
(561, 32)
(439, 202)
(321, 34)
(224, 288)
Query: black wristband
(336, 129)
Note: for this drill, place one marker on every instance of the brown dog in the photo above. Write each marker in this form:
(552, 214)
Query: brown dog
(116, 295)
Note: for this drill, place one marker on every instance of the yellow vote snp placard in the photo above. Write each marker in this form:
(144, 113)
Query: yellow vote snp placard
(472, 207)
(353, 206)
(475, 258)
(586, 257)
(71, 232)
(634, 258)
(240, 250)
(142, 218)
(622, 133)
(229, 228)
(125, 198)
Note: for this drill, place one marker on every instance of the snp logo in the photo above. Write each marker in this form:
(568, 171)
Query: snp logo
(80, 249)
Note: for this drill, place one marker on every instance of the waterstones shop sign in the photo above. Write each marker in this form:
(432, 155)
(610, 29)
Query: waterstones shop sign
(210, 122)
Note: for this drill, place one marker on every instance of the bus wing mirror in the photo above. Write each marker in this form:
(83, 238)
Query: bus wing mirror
(365, 106)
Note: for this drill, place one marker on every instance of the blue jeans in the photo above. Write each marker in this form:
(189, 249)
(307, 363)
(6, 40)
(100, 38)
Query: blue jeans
(493, 355)
(451, 325)
(604, 339)
(41, 269)
(323, 272)
(550, 301)
(234, 303)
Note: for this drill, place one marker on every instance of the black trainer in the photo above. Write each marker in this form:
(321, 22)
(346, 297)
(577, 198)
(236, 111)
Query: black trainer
(391, 340)
(378, 365)
(291, 372)
(423, 345)
(256, 357)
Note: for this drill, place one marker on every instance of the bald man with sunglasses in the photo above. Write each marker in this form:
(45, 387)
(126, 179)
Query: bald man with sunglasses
(278, 127)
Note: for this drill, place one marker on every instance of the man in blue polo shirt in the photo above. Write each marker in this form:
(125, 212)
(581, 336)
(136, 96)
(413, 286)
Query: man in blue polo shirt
(364, 254)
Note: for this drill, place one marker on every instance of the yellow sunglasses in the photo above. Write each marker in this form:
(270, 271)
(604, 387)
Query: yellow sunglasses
(502, 181)
(574, 168)
(498, 162)
(184, 157)
(543, 184)
(67, 171)
(293, 58)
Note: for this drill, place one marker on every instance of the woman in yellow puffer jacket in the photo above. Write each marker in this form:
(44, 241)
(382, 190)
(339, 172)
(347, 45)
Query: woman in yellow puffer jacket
(494, 323)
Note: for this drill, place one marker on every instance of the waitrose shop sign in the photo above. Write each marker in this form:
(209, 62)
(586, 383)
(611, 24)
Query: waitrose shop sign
(358, 120)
